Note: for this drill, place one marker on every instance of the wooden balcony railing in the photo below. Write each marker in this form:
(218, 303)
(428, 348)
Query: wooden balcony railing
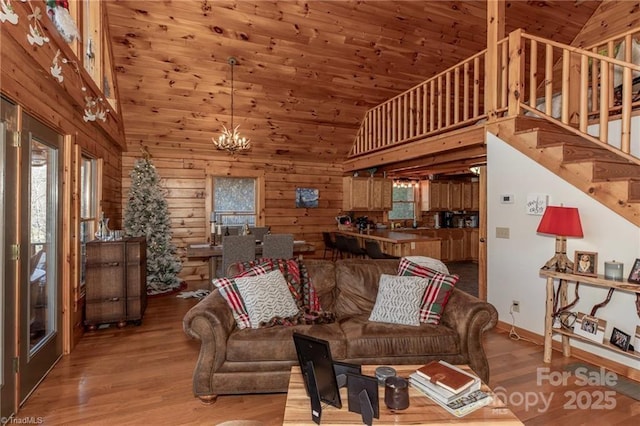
(536, 76)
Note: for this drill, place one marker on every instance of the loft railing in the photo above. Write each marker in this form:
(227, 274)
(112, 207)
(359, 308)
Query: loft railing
(536, 76)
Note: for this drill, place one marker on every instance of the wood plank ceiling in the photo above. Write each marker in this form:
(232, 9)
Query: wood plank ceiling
(307, 70)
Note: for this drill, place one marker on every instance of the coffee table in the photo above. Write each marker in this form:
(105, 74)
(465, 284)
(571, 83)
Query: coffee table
(421, 409)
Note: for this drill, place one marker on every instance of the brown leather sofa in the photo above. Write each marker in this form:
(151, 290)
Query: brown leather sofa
(234, 361)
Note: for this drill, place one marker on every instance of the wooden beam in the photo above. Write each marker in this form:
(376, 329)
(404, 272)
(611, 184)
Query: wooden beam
(495, 33)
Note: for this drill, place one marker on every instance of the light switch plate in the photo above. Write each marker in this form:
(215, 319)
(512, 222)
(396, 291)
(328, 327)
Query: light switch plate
(502, 233)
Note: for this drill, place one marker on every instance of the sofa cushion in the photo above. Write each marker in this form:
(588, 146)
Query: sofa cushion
(357, 281)
(276, 343)
(266, 296)
(437, 293)
(399, 300)
(366, 339)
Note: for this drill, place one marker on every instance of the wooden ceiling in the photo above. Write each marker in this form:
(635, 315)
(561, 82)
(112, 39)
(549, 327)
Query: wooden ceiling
(307, 70)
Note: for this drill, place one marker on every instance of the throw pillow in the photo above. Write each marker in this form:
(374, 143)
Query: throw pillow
(266, 296)
(399, 300)
(230, 293)
(437, 293)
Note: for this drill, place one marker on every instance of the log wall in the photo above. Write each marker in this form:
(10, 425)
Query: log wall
(185, 182)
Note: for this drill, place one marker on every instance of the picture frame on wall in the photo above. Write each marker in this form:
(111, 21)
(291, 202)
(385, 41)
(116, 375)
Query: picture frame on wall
(307, 198)
(620, 339)
(634, 275)
(586, 263)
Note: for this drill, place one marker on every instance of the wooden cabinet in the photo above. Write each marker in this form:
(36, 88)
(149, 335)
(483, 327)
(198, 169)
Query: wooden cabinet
(472, 245)
(459, 244)
(367, 193)
(449, 196)
(116, 289)
(455, 196)
(381, 194)
(434, 195)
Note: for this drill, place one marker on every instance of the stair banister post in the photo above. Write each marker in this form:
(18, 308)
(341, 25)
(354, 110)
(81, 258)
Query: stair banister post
(516, 72)
(495, 33)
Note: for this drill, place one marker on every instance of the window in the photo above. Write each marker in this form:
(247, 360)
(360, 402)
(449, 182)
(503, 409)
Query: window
(404, 205)
(235, 201)
(89, 198)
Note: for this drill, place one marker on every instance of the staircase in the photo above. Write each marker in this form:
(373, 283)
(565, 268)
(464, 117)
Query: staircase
(599, 172)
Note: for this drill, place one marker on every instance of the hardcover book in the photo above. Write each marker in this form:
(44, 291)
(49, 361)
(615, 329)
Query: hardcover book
(446, 375)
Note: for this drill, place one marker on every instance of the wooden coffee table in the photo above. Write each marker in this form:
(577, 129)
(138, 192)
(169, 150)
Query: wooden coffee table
(421, 409)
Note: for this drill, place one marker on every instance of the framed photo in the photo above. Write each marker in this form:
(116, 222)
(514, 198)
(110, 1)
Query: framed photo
(634, 276)
(590, 327)
(307, 198)
(586, 263)
(620, 339)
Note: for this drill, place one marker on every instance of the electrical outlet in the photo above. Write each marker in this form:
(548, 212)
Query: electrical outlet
(515, 306)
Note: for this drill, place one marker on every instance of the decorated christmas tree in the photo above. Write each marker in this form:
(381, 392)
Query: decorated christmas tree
(147, 215)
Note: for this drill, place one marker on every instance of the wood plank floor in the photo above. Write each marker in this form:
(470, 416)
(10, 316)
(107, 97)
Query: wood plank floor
(142, 375)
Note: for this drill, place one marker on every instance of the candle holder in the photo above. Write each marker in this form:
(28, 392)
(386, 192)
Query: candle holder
(613, 270)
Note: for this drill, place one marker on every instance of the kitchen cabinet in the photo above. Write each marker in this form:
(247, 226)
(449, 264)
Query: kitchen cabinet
(434, 195)
(457, 244)
(367, 193)
(475, 197)
(116, 284)
(381, 194)
(455, 196)
(472, 245)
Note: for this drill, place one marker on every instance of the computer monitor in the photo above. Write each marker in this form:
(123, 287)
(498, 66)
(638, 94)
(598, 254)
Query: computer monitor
(315, 353)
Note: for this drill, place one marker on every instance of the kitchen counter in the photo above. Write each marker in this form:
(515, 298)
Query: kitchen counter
(400, 243)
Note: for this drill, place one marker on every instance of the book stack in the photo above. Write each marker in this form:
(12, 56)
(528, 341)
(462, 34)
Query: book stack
(454, 389)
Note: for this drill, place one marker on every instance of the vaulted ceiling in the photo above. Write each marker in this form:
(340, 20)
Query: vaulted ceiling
(307, 70)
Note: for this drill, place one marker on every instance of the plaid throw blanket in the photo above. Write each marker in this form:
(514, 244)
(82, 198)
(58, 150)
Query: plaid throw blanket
(300, 285)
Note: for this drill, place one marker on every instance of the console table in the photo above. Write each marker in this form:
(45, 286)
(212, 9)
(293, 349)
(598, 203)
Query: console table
(563, 279)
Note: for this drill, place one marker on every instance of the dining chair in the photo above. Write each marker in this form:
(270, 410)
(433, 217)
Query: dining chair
(329, 245)
(277, 246)
(374, 252)
(237, 248)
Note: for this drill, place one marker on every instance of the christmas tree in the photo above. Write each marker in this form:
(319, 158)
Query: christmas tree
(147, 215)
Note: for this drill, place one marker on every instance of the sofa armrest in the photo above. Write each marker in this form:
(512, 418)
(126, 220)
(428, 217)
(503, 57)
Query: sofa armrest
(471, 317)
(210, 321)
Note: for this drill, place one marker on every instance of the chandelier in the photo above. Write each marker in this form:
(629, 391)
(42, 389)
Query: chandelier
(230, 139)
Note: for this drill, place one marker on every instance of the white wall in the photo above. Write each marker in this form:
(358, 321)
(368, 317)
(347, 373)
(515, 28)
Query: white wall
(513, 264)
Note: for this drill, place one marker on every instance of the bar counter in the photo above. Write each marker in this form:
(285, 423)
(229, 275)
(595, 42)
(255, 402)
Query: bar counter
(399, 243)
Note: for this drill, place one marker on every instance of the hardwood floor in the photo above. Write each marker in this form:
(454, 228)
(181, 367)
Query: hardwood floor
(142, 375)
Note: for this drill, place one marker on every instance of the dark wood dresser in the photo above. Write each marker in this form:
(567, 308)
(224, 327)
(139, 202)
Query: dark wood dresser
(116, 278)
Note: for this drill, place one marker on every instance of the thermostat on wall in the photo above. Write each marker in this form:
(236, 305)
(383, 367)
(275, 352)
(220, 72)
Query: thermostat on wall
(506, 198)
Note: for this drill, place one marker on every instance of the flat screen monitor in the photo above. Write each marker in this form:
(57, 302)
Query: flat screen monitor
(317, 352)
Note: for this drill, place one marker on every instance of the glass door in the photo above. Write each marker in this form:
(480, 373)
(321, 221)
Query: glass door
(8, 237)
(40, 296)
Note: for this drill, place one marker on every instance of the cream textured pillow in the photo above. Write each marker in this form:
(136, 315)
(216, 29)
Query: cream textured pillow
(399, 300)
(266, 296)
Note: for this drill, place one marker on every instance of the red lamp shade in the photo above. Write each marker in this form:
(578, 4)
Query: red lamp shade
(563, 221)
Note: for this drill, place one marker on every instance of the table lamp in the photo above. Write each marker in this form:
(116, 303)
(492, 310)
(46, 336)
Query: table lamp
(562, 222)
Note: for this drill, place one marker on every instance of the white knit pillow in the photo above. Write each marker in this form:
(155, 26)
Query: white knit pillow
(399, 300)
(266, 296)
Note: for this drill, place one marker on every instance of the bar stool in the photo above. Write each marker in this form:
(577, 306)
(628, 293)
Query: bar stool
(329, 245)
(354, 248)
(374, 252)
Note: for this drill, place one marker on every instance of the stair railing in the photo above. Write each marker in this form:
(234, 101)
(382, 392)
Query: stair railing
(558, 82)
(578, 93)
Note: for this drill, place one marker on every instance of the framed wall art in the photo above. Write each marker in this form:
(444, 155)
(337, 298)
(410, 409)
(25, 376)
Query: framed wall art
(307, 198)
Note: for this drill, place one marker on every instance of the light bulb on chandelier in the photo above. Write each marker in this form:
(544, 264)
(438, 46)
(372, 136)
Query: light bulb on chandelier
(230, 139)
